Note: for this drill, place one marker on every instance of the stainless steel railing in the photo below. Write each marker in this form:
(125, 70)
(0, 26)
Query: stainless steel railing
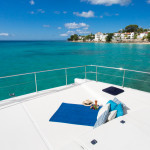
(35, 75)
(121, 69)
(96, 72)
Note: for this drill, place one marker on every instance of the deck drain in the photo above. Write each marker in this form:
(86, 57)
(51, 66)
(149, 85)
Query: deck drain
(122, 121)
(12, 94)
(94, 142)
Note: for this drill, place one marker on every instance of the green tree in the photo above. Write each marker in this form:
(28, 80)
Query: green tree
(148, 36)
(145, 30)
(73, 37)
(109, 37)
(140, 30)
(92, 36)
(84, 40)
(69, 39)
(135, 36)
(89, 37)
(131, 28)
(144, 37)
(120, 31)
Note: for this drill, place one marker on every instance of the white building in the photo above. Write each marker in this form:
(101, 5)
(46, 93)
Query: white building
(100, 37)
(124, 35)
(131, 35)
(127, 35)
(103, 38)
(117, 36)
(80, 37)
(142, 35)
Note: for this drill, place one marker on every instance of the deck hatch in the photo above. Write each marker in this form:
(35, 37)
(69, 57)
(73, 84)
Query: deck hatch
(113, 90)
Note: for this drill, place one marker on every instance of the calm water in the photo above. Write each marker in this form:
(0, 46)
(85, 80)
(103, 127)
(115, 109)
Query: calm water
(23, 57)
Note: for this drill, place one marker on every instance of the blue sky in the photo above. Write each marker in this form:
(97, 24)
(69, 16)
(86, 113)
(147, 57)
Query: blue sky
(58, 19)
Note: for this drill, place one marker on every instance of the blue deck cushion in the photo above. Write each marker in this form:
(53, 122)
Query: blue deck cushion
(102, 119)
(119, 110)
(113, 90)
(75, 114)
(112, 105)
(118, 102)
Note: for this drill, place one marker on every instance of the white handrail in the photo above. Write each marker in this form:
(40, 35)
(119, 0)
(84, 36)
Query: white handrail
(72, 68)
(120, 69)
(40, 72)
(85, 71)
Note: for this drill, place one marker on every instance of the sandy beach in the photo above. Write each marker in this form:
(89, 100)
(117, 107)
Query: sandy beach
(113, 42)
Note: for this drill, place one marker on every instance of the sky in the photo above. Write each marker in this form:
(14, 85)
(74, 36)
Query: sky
(58, 19)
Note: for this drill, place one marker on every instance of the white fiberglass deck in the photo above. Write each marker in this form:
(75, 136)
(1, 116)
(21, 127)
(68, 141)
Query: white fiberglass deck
(24, 123)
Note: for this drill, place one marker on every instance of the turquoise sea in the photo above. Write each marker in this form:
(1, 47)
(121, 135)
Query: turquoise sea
(30, 56)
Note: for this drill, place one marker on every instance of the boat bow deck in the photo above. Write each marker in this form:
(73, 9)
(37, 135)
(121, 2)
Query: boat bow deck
(25, 123)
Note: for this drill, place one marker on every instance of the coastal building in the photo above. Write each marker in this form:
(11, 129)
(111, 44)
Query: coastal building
(81, 37)
(103, 38)
(100, 37)
(122, 36)
(127, 35)
(131, 35)
(116, 37)
(117, 34)
(142, 35)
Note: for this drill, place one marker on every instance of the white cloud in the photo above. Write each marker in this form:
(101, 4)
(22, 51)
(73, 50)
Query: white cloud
(88, 14)
(57, 12)
(59, 28)
(32, 2)
(86, 28)
(108, 2)
(32, 12)
(148, 1)
(4, 34)
(76, 25)
(37, 11)
(82, 31)
(41, 11)
(46, 25)
(70, 32)
(77, 31)
(108, 15)
(83, 25)
(64, 34)
(76, 28)
(64, 12)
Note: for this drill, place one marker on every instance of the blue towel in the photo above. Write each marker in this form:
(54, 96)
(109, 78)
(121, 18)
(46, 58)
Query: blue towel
(75, 114)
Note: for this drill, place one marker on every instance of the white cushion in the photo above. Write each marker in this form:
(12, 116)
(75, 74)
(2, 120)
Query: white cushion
(103, 109)
(102, 115)
(112, 115)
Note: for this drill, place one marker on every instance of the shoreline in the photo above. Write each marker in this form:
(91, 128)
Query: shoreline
(145, 43)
